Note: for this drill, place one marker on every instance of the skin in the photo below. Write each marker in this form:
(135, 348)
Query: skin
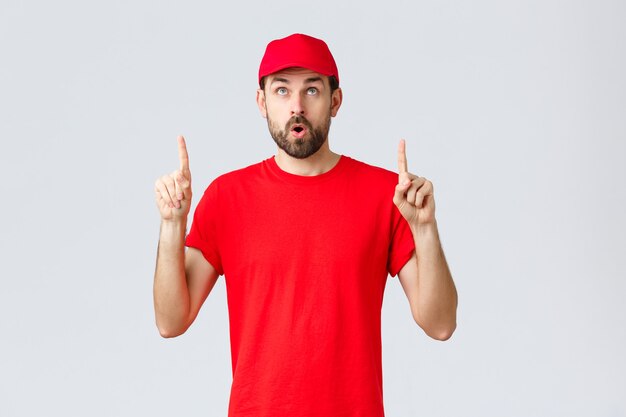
(295, 100)
(428, 283)
(184, 279)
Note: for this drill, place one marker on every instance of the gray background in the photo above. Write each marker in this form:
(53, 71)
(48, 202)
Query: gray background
(515, 110)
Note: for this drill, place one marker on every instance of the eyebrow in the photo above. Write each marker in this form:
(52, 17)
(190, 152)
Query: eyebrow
(286, 81)
(313, 79)
(279, 80)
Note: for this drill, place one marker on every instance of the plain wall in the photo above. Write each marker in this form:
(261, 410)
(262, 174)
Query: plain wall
(515, 110)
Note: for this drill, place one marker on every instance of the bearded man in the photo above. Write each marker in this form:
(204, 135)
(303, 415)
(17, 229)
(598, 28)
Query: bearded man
(305, 241)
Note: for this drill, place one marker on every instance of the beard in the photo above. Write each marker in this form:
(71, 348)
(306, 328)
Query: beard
(300, 148)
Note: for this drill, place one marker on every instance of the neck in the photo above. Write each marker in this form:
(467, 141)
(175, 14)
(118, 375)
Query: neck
(320, 162)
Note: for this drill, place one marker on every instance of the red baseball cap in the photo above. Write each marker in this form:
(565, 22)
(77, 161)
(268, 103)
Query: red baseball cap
(298, 50)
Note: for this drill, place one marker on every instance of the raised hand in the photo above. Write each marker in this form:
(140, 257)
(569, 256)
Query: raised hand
(173, 191)
(414, 195)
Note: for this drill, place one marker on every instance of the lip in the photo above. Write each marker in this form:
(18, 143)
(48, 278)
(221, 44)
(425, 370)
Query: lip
(300, 134)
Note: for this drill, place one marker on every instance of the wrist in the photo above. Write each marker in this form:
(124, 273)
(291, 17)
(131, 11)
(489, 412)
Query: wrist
(423, 231)
(174, 226)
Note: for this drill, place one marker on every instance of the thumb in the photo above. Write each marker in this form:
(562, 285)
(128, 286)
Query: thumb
(404, 178)
(185, 185)
(400, 194)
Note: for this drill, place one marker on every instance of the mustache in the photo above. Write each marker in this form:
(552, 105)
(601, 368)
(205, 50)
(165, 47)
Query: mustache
(299, 120)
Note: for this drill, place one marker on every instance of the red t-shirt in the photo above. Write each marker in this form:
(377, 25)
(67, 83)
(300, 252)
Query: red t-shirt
(305, 260)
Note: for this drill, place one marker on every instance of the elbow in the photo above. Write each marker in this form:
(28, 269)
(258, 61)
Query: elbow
(438, 330)
(168, 332)
(442, 334)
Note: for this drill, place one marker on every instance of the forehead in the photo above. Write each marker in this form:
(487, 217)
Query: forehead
(296, 73)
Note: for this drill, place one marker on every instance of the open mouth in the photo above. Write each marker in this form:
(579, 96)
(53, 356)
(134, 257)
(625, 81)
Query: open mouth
(298, 131)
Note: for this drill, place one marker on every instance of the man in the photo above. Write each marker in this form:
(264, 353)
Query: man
(305, 241)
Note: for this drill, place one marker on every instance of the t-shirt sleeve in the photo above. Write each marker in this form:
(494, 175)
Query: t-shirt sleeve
(204, 233)
(402, 243)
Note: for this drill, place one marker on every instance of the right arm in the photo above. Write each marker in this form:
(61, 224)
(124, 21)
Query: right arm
(182, 280)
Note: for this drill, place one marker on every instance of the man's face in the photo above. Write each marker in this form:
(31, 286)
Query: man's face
(298, 105)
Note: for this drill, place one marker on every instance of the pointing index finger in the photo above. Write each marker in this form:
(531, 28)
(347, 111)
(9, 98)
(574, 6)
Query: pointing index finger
(402, 162)
(183, 156)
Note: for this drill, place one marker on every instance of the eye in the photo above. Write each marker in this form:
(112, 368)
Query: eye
(311, 91)
(281, 91)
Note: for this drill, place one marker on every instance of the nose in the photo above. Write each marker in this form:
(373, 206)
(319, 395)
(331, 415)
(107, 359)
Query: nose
(297, 107)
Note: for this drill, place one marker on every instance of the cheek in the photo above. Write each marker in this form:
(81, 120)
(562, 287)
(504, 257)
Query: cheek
(319, 108)
(274, 107)
(275, 120)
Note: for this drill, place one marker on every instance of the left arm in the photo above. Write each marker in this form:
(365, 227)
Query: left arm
(425, 278)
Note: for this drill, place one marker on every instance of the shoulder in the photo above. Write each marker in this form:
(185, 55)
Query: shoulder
(241, 173)
(237, 176)
(370, 172)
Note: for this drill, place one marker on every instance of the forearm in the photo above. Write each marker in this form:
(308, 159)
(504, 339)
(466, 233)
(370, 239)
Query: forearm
(171, 293)
(437, 296)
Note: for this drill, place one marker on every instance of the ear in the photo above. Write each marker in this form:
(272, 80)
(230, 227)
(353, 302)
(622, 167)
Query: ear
(335, 101)
(260, 101)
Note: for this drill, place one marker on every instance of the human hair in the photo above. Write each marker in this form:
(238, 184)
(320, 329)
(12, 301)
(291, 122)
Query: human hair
(332, 81)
